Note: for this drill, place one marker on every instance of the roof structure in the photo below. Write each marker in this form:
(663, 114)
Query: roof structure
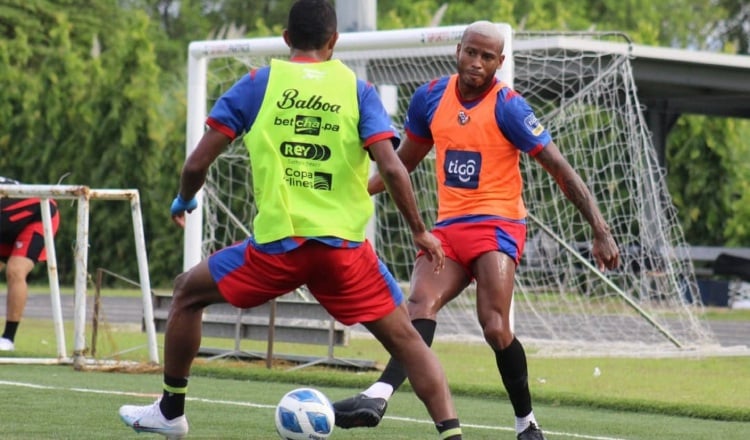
(671, 82)
(687, 81)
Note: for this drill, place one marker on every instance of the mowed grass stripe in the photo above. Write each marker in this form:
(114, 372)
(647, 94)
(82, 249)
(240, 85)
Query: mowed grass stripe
(62, 403)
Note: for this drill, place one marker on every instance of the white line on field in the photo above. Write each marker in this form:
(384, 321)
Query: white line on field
(502, 428)
(132, 394)
(258, 405)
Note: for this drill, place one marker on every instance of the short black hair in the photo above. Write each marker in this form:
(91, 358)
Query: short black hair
(311, 24)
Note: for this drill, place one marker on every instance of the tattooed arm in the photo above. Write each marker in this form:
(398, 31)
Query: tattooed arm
(604, 250)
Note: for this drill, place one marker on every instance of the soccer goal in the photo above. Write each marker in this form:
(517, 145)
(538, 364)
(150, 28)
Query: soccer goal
(582, 89)
(83, 195)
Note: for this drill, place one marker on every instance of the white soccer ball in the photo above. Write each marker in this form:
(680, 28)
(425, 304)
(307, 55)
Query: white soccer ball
(304, 414)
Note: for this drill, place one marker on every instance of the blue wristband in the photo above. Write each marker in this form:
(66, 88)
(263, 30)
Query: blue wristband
(179, 205)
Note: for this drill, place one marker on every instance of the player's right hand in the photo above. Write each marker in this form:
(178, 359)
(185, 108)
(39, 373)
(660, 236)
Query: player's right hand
(179, 207)
(433, 249)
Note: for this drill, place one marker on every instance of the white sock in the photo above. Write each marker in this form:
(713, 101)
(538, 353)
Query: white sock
(523, 422)
(379, 389)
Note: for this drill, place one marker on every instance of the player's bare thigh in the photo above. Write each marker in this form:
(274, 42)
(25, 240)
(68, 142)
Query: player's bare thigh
(429, 291)
(495, 274)
(196, 288)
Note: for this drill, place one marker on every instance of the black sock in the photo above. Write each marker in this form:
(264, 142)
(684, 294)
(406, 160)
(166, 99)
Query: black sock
(10, 330)
(511, 363)
(449, 429)
(172, 403)
(394, 374)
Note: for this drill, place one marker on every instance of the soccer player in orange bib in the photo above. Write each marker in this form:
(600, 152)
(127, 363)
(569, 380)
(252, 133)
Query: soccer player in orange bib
(479, 127)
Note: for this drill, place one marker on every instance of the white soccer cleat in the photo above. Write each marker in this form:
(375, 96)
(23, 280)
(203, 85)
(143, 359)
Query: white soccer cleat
(6, 345)
(150, 419)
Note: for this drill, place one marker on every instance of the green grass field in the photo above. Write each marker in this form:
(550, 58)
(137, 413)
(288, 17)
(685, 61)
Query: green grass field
(693, 398)
(56, 402)
(632, 398)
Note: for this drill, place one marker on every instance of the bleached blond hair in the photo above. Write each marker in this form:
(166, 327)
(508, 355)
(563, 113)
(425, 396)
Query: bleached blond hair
(485, 28)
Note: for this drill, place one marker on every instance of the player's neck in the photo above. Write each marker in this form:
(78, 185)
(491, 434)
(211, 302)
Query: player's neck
(469, 94)
(309, 55)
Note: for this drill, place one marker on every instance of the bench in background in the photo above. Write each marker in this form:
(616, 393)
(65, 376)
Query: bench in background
(283, 320)
(715, 267)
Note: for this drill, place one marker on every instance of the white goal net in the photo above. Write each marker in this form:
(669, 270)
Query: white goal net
(582, 89)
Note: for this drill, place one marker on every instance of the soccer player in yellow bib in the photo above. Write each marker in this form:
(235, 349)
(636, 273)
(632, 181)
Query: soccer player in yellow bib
(312, 128)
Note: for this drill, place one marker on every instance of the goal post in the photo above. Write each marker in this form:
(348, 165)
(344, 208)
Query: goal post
(83, 195)
(582, 89)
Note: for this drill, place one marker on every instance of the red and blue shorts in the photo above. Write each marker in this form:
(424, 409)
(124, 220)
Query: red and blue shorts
(22, 231)
(466, 238)
(351, 283)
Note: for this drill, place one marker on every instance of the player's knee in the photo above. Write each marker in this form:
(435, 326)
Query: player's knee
(16, 274)
(498, 335)
(17, 270)
(423, 306)
(180, 282)
(192, 293)
(181, 297)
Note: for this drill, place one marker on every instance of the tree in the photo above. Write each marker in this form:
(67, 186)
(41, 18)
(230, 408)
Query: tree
(83, 109)
(732, 31)
(183, 21)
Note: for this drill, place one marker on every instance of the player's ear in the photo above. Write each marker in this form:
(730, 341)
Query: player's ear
(332, 41)
(285, 35)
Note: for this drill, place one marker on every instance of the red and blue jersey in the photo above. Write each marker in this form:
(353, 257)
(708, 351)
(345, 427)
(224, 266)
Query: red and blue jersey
(477, 145)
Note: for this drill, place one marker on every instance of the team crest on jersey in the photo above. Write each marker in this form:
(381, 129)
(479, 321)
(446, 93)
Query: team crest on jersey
(463, 118)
